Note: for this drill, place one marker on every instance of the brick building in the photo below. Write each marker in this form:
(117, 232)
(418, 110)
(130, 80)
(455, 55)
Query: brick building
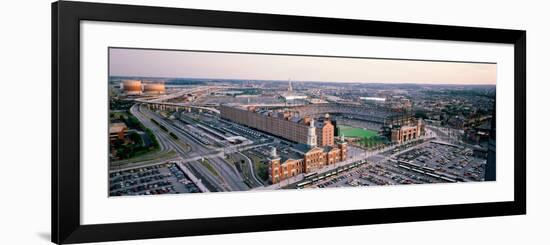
(284, 124)
(412, 130)
(305, 159)
(316, 146)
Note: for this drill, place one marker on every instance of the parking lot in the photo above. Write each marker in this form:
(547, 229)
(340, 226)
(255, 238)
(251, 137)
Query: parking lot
(151, 180)
(430, 162)
(447, 158)
(375, 174)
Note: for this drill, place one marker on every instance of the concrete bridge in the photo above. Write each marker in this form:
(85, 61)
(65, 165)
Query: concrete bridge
(161, 103)
(177, 106)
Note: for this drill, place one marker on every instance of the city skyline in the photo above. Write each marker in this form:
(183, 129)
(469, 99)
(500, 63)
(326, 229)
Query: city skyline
(219, 65)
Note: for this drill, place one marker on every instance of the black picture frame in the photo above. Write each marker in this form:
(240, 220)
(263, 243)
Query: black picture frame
(66, 17)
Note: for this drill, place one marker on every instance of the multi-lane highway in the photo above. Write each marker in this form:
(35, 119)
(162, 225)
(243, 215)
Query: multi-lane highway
(205, 161)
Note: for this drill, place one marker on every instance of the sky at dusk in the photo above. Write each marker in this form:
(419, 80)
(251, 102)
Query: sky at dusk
(187, 64)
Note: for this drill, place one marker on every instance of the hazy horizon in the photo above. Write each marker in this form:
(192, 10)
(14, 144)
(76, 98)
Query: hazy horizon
(297, 81)
(129, 62)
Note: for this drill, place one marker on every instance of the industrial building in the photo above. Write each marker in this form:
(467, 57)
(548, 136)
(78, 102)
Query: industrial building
(281, 123)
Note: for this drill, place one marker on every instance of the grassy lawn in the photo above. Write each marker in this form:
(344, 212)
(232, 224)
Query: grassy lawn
(366, 138)
(356, 132)
(210, 168)
(260, 168)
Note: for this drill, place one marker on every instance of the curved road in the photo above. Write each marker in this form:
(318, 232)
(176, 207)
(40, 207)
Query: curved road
(228, 179)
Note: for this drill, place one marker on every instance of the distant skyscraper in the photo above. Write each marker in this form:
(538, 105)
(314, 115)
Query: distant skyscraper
(289, 85)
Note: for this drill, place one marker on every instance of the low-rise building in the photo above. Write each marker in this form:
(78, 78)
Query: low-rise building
(117, 131)
(402, 134)
(404, 128)
(305, 159)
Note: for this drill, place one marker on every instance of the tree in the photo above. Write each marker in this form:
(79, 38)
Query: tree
(262, 171)
(135, 138)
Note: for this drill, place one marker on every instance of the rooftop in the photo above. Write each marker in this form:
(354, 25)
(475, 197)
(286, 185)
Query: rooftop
(117, 127)
(289, 153)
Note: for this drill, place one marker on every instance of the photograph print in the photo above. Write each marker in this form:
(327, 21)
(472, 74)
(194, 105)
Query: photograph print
(187, 121)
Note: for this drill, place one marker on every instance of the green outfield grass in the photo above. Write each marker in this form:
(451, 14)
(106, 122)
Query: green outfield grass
(356, 132)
